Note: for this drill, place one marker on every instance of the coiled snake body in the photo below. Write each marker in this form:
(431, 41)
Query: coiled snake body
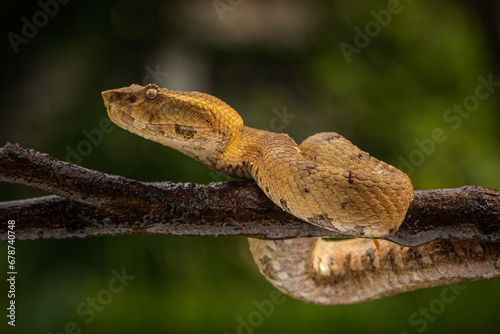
(326, 181)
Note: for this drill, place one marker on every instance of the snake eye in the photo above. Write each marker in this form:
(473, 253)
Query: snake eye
(151, 93)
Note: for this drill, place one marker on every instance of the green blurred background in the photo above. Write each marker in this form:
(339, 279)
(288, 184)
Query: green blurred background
(262, 57)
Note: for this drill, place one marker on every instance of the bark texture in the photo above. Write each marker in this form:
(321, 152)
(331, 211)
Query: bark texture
(90, 203)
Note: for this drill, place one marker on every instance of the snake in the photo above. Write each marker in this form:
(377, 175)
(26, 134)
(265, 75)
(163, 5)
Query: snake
(326, 181)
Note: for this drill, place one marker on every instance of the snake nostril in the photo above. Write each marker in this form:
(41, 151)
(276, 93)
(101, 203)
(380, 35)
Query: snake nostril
(108, 96)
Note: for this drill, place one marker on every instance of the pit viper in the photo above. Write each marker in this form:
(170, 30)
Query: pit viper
(326, 181)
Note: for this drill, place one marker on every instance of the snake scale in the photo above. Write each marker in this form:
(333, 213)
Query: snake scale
(326, 181)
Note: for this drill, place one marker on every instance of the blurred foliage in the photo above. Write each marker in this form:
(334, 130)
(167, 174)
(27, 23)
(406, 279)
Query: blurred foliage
(261, 57)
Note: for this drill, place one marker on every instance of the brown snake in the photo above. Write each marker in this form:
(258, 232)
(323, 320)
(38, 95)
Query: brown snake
(326, 181)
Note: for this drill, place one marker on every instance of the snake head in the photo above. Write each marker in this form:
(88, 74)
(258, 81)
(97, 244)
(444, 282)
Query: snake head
(194, 123)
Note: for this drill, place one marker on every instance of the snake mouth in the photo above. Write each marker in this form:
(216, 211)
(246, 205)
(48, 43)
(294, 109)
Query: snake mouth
(120, 110)
(164, 130)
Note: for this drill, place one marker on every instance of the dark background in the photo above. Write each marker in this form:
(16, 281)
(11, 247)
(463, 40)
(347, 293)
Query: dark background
(260, 57)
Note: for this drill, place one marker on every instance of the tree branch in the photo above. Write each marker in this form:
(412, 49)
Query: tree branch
(91, 203)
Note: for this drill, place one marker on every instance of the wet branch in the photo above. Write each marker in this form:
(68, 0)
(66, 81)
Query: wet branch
(90, 203)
